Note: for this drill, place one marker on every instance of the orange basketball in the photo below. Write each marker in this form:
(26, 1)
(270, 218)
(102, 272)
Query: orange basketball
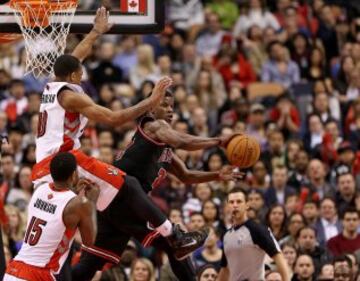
(243, 151)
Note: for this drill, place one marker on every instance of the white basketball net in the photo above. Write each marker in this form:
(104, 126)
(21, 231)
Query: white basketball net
(45, 37)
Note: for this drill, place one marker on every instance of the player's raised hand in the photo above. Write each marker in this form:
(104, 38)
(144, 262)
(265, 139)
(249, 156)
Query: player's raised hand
(101, 22)
(228, 173)
(160, 89)
(92, 191)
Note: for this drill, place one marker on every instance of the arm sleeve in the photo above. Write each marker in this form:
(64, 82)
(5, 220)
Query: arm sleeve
(264, 238)
(223, 261)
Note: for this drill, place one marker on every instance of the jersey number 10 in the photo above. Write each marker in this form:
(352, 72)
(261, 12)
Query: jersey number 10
(34, 231)
(43, 116)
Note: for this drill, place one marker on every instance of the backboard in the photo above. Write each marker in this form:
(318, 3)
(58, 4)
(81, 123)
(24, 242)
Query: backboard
(128, 16)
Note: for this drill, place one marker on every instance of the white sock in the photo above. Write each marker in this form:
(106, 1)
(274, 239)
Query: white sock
(165, 229)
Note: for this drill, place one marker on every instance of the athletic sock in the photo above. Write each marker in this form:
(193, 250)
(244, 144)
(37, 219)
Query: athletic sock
(165, 229)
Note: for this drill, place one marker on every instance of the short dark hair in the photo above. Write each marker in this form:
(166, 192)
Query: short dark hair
(343, 258)
(196, 213)
(343, 174)
(349, 210)
(305, 228)
(7, 154)
(62, 166)
(168, 93)
(65, 65)
(15, 82)
(237, 190)
(201, 270)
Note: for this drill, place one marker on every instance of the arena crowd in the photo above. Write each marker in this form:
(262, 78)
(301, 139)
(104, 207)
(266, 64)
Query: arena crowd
(284, 71)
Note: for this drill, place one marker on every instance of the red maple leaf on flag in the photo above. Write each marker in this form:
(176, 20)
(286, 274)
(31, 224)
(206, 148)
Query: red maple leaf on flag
(133, 4)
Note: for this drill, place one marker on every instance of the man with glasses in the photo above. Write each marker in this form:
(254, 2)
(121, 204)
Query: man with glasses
(348, 241)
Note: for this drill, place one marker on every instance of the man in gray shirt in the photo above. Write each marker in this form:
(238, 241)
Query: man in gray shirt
(246, 244)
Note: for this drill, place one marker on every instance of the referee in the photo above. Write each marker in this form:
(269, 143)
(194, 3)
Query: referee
(246, 244)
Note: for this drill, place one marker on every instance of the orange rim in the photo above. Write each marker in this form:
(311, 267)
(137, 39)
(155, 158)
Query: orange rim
(9, 37)
(41, 9)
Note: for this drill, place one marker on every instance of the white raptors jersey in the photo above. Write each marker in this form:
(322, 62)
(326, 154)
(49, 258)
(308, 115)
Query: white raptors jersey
(47, 240)
(58, 130)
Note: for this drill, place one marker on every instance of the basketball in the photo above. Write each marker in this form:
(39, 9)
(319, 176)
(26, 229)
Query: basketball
(243, 151)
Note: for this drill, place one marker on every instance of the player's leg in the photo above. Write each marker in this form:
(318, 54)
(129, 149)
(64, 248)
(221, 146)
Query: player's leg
(140, 204)
(88, 265)
(108, 247)
(183, 270)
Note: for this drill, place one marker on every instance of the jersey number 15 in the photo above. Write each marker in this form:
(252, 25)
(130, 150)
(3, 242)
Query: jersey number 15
(34, 231)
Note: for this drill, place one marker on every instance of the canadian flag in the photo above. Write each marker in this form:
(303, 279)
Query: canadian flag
(133, 6)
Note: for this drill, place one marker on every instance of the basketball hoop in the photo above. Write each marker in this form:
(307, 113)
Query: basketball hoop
(45, 25)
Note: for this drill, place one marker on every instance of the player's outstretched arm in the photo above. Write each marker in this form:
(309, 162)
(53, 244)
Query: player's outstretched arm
(282, 266)
(74, 102)
(101, 26)
(163, 132)
(81, 213)
(179, 169)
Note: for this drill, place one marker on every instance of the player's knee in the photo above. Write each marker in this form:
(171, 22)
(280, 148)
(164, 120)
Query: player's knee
(133, 183)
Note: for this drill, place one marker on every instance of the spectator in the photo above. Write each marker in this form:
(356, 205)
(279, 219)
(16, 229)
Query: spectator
(306, 241)
(106, 71)
(207, 273)
(210, 213)
(256, 123)
(279, 190)
(300, 50)
(127, 57)
(279, 68)
(209, 42)
(142, 269)
(317, 180)
(310, 211)
(211, 252)
(293, 146)
(304, 269)
(276, 220)
(327, 225)
(227, 10)
(347, 65)
(259, 178)
(256, 14)
(275, 153)
(317, 69)
(295, 223)
(346, 192)
(273, 276)
(145, 66)
(315, 132)
(290, 255)
(327, 33)
(16, 103)
(8, 175)
(348, 241)
(342, 269)
(326, 272)
(286, 116)
(196, 222)
(257, 203)
(298, 176)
